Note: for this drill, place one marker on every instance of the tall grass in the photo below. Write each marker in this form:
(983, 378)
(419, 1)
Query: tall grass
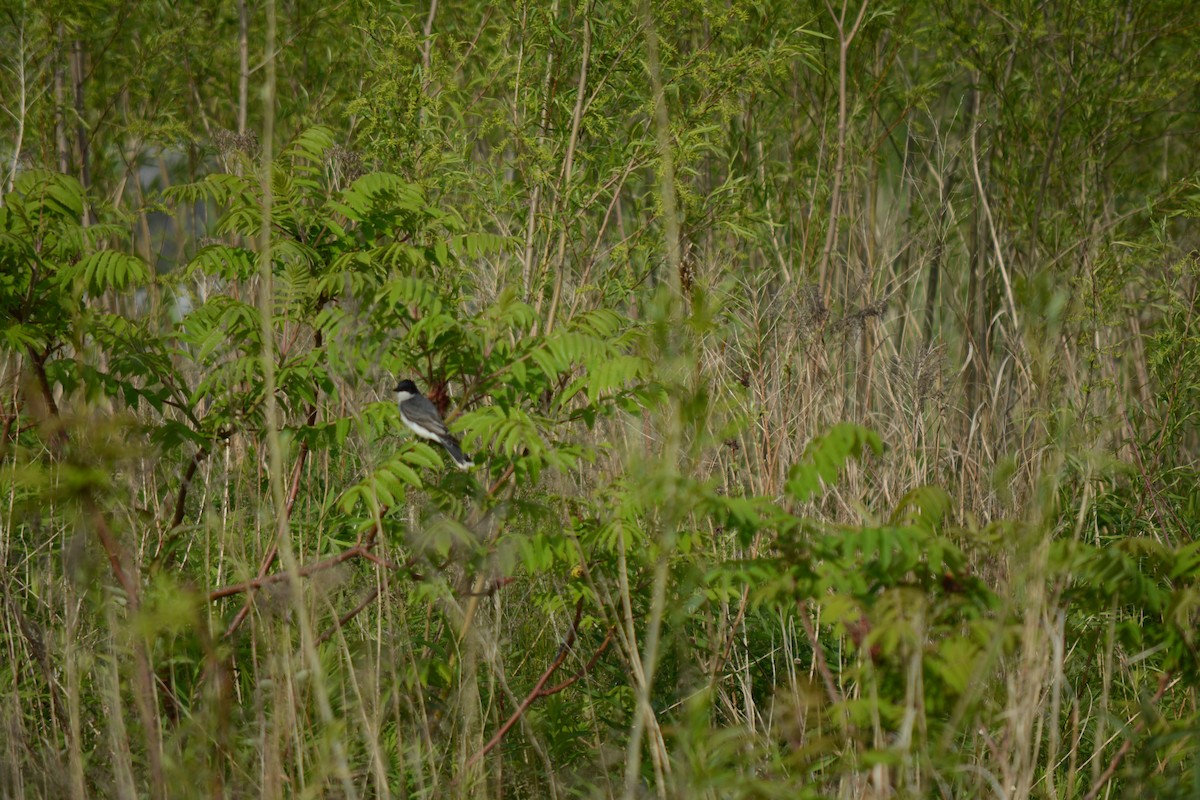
(634, 594)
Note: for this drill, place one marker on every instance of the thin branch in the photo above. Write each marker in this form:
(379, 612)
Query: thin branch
(563, 650)
(527, 273)
(504, 476)
(115, 558)
(188, 475)
(243, 66)
(488, 590)
(477, 589)
(380, 560)
(1163, 682)
(819, 655)
(6, 433)
(23, 107)
(835, 196)
(991, 227)
(667, 194)
(81, 135)
(357, 551)
(568, 169)
(729, 640)
(294, 489)
(361, 549)
(38, 362)
(344, 619)
(427, 45)
(293, 493)
(144, 698)
(608, 639)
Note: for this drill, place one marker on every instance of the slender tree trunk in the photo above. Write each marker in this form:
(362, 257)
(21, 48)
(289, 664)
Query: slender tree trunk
(244, 65)
(528, 273)
(662, 130)
(564, 195)
(60, 118)
(427, 45)
(22, 108)
(845, 37)
(81, 135)
(935, 259)
(976, 321)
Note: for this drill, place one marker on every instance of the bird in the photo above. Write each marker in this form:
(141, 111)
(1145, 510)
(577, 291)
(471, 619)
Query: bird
(422, 417)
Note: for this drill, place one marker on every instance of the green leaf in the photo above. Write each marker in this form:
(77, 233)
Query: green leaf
(110, 269)
(230, 263)
(495, 428)
(923, 507)
(42, 191)
(20, 337)
(824, 457)
(311, 144)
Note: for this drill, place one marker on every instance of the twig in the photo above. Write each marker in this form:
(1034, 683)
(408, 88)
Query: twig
(293, 493)
(1111, 769)
(361, 549)
(185, 485)
(720, 665)
(504, 476)
(488, 590)
(380, 560)
(344, 619)
(358, 551)
(112, 549)
(6, 432)
(477, 590)
(991, 226)
(819, 655)
(568, 168)
(188, 474)
(585, 669)
(845, 38)
(427, 45)
(563, 649)
(1154, 495)
(58, 434)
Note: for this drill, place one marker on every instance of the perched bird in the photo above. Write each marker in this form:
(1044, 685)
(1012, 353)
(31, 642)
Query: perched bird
(423, 418)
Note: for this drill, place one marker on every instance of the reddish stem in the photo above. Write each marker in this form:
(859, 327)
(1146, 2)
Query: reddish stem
(535, 693)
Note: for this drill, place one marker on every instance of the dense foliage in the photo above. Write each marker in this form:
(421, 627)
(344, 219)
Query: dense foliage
(831, 375)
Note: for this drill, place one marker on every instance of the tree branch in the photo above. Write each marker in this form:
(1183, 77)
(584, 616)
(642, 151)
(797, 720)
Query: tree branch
(563, 649)
(1163, 682)
(344, 619)
(293, 493)
(819, 655)
(583, 670)
(357, 551)
(188, 474)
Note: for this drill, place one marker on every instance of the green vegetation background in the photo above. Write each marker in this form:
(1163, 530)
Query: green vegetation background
(832, 373)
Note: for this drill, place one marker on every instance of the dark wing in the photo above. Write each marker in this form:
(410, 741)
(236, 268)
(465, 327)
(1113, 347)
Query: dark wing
(423, 413)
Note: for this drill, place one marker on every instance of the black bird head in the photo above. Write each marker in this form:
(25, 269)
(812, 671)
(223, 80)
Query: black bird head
(407, 386)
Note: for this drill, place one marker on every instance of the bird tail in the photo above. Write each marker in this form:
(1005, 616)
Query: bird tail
(460, 459)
